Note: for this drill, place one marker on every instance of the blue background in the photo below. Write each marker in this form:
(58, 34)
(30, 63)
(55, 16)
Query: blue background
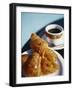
(32, 22)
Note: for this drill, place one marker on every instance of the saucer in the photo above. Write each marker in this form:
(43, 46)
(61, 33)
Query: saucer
(55, 47)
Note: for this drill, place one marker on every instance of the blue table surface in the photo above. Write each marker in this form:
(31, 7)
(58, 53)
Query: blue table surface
(33, 22)
(28, 28)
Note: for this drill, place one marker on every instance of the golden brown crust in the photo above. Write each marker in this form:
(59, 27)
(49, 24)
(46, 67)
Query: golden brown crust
(24, 58)
(36, 43)
(32, 66)
(42, 61)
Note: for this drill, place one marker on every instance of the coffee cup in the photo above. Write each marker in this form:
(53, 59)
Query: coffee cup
(54, 33)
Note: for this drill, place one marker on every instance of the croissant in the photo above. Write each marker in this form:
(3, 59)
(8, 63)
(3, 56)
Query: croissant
(24, 58)
(37, 44)
(32, 67)
(41, 46)
(43, 59)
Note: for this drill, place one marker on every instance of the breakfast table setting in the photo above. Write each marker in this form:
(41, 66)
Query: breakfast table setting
(41, 32)
(53, 34)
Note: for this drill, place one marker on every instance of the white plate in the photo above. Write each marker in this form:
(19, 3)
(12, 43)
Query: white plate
(55, 47)
(60, 62)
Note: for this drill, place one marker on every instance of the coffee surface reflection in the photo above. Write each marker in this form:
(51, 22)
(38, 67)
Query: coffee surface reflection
(54, 31)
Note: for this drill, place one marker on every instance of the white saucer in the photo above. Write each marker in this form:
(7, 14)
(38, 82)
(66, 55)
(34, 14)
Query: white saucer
(55, 47)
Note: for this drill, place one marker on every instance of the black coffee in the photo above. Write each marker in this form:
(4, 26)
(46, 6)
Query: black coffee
(54, 31)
